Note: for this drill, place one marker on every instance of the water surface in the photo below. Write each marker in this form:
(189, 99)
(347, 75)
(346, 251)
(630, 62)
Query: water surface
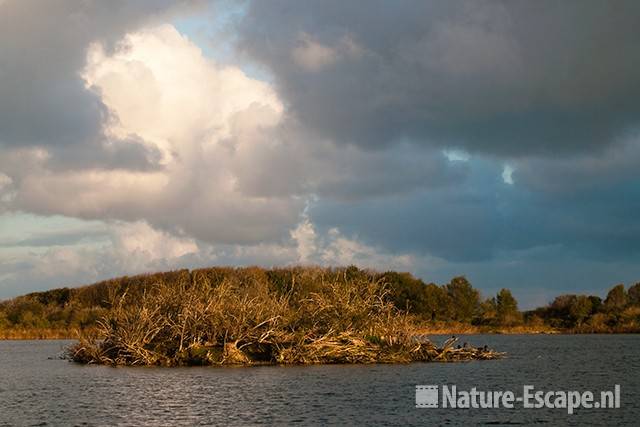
(36, 388)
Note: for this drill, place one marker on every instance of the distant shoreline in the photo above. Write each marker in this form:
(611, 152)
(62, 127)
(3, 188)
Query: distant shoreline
(36, 335)
(295, 315)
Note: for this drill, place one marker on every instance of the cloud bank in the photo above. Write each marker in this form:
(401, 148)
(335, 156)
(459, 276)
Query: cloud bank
(494, 139)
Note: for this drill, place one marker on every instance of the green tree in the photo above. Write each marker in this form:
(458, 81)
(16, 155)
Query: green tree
(407, 292)
(506, 307)
(634, 294)
(559, 312)
(596, 304)
(436, 302)
(464, 300)
(488, 311)
(580, 309)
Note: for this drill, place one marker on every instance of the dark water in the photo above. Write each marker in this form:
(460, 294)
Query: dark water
(36, 390)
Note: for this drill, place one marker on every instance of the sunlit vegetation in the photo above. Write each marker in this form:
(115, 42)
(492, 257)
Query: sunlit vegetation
(618, 312)
(251, 315)
(58, 313)
(363, 304)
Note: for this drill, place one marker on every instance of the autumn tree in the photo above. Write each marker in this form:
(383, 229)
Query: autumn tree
(616, 299)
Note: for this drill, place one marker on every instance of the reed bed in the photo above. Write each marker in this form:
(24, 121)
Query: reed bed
(255, 316)
(36, 334)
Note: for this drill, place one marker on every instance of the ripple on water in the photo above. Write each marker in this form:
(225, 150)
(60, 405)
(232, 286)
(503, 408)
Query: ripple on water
(38, 390)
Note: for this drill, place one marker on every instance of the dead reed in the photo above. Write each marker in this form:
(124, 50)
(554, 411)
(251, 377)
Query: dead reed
(251, 315)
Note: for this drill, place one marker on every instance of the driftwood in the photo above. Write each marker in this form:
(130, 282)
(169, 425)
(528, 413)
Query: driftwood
(341, 348)
(449, 352)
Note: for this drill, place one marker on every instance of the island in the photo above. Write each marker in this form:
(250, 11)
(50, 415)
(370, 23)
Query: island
(293, 315)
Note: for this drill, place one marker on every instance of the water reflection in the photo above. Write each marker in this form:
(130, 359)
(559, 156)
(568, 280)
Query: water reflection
(35, 389)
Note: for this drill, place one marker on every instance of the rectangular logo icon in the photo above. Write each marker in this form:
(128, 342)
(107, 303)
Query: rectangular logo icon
(426, 396)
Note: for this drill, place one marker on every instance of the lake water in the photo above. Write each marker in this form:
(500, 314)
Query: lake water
(38, 389)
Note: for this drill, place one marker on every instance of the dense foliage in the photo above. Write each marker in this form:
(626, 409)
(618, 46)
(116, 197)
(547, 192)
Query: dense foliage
(63, 312)
(618, 312)
(252, 315)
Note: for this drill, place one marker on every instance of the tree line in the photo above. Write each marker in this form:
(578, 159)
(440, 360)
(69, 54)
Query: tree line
(454, 303)
(459, 301)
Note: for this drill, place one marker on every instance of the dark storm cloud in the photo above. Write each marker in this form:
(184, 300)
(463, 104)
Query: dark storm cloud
(459, 224)
(583, 173)
(484, 218)
(550, 88)
(324, 168)
(509, 78)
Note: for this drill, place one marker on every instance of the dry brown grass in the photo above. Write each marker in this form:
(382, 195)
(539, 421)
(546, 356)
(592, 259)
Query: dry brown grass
(238, 316)
(457, 328)
(37, 334)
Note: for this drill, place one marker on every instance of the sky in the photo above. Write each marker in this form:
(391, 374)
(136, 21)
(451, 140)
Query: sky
(499, 140)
